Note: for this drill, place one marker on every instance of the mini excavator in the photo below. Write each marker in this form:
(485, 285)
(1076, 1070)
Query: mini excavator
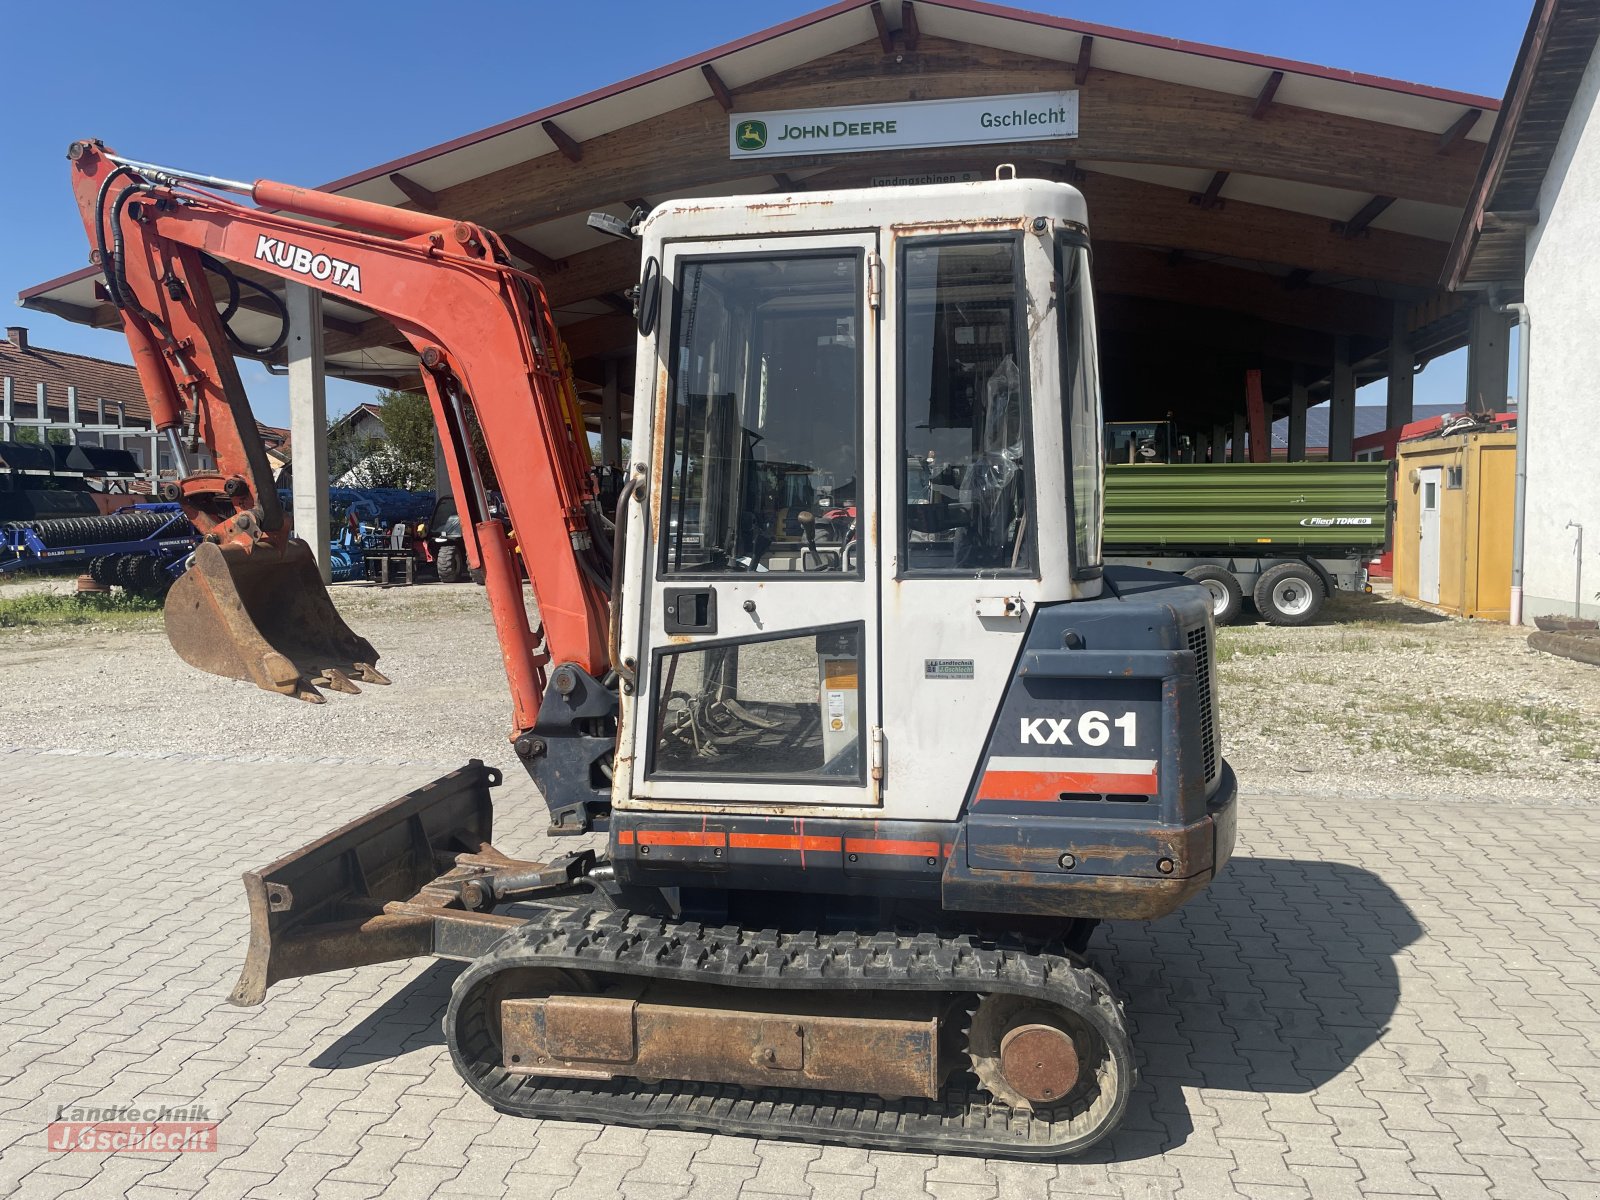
(873, 737)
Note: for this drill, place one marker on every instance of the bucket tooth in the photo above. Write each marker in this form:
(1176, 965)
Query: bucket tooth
(264, 616)
(336, 680)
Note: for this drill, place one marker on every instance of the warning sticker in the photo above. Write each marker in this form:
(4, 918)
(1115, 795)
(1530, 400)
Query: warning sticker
(840, 674)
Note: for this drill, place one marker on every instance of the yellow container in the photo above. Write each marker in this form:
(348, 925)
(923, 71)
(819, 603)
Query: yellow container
(1452, 525)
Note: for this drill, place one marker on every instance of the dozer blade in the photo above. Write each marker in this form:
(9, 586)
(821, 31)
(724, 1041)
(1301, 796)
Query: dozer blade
(266, 617)
(393, 884)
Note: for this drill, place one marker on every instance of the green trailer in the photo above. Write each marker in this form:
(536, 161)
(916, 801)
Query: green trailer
(1287, 535)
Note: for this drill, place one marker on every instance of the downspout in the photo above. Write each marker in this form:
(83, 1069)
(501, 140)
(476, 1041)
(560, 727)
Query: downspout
(1519, 502)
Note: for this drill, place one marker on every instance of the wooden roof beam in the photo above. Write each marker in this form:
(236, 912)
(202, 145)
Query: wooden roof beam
(1133, 211)
(787, 183)
(1459, 129)
(1212, 197)
(616, 302)
(1121, 269)
(719, 90)
(1510, 218)
(570, 149)
(537, 259)
(1265, 96)
(885, 34)
(1368, 213)
(1080, 69)
(423, 198)
(910, 34)
(1208, 128)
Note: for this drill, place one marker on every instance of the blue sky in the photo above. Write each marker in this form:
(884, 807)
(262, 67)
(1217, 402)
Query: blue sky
(307, 93)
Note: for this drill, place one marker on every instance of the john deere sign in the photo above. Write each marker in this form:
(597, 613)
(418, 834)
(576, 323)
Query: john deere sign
(967, 121)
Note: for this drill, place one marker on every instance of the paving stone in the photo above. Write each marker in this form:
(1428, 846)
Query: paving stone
(1396, 999)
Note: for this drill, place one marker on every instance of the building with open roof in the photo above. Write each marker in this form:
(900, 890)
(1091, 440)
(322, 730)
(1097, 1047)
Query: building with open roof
(1249, 213)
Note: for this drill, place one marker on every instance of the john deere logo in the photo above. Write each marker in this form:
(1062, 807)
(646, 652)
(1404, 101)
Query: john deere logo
(752, 135)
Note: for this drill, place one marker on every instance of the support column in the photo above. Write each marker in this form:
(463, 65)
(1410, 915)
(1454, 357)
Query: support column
(1488, 359)
(1402, 368)
(308, 421)
(72, 416)
(1298, 396)
(1202, 448)
(1238, 454)
(6, 412)
(1219, 443)
(611, 417)
(1342, 405)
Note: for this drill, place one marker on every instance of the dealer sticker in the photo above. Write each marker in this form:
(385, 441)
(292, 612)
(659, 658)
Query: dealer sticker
(949, 668)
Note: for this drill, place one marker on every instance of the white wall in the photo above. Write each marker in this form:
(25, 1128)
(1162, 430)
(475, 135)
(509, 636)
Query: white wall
(1563, 427)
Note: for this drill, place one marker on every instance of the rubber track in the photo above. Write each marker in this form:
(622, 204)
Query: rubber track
(962, 1121)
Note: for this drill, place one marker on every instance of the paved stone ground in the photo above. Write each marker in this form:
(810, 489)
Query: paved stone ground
(1377, 999)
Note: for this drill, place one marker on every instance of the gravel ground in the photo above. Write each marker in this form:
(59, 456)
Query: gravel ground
(122, 688)
(1379, 698)
(1385, 698)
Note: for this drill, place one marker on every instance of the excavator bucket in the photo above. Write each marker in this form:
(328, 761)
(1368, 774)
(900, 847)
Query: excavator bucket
(266, 617)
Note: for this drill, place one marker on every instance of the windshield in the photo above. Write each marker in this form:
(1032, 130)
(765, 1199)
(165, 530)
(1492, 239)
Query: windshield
(765, 417)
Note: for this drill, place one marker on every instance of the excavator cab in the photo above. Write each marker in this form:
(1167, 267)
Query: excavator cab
(875, 455)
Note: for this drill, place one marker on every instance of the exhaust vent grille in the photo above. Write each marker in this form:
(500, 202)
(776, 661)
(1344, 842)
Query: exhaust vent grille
(1200, 643)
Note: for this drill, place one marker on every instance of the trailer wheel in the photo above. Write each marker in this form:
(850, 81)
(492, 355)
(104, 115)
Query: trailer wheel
(450, 563)
(103, 569)
(1289, 594)
(1227, 597)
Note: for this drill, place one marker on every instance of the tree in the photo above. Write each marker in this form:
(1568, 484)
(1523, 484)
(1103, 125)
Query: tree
(402, 458)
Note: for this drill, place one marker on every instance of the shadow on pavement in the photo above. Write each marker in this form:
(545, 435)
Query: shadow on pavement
(1273, 980)
(409, 1020)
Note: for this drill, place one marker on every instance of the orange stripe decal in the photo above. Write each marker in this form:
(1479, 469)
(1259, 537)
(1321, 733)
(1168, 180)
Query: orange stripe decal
(680, 837)
(624, 837)
(890, 846)
(1049, 785)
(782, 841)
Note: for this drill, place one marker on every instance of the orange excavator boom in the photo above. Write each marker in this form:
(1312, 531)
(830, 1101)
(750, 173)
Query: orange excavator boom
(252, 605)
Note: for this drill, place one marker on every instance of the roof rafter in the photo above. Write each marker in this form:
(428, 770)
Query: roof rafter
(719, 90)
(423, 198)
(1211, 198)
(910, 34)
(1265, 96)
(1459, 128)
(1365, 216)
(569, 147)
(885, 34)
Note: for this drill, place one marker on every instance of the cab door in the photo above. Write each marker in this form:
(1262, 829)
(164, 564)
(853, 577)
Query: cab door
(758, 641)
